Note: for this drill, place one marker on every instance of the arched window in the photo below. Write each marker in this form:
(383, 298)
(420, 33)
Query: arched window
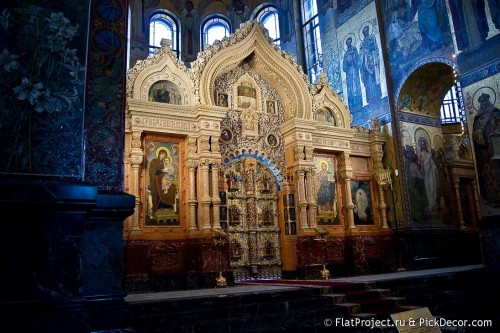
(451, 110)
(312, 39)
(214, 27)
(267, 15)
(163, 25)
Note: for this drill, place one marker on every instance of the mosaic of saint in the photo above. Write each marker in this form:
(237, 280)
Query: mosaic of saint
(165, 92)
(427, 178)
(247, 97)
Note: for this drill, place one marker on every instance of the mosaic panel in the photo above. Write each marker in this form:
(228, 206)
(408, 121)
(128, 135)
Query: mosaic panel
(42, 77)
(105, 98)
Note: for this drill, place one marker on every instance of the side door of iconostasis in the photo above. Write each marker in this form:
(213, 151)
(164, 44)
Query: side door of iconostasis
(251, 218)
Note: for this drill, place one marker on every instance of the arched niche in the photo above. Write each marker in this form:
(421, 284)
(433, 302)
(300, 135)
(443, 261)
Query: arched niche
(325, 101)
(162, 66)
(426, 170)
(424, 89)
(251, 44)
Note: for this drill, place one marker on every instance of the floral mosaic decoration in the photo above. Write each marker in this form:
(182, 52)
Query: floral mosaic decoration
(41, 89)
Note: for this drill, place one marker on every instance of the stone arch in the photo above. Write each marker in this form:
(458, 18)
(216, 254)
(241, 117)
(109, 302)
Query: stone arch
(260, 156)
(325, 97)
(435, 72)
(417, 115)
(251, 44)
(161, 66)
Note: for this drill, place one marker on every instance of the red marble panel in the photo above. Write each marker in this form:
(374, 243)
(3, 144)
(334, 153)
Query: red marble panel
(310, 251)
(136, 253)
(336, 250)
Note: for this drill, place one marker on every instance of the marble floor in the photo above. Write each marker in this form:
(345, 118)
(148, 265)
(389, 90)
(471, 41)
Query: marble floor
(240, 289)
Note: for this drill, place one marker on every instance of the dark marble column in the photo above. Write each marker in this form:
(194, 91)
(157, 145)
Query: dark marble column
(61, 254)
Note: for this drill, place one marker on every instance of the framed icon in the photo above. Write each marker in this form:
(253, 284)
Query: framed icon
(222, 99)
(271, 107)
(226, 135)
(272, 140)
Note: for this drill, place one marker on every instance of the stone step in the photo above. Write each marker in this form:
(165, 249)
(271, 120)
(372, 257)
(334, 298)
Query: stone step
(383, 313)
(300, 308)
(378, 305)
(234, 314)
(264, 322)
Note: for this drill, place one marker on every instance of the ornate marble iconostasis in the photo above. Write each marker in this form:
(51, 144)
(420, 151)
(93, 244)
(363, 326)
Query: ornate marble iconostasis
(242, 168)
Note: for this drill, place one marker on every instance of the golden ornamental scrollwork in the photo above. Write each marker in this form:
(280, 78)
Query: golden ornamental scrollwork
(383, 177)
(304, 169)
(162, 123)
(250, 162)
(205, 57)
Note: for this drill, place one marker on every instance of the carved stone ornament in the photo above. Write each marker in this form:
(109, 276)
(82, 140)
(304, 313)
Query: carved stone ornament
(299, 153)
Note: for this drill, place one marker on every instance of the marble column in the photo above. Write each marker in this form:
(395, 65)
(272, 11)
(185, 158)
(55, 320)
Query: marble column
(136, 159)
(346, 174)
(377, 152)
(311, 198)
(302, 199)
(215, 195)
(205, 200)
(192, 201)
(383, 207)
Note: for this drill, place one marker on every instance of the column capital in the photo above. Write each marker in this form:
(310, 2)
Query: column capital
(192, 164)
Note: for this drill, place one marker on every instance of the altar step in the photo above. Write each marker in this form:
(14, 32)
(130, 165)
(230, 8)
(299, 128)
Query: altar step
(360, 300)
(369, 303)
(315, 306)
(280, 309)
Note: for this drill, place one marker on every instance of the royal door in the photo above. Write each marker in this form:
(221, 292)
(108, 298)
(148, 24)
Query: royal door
(252, 220)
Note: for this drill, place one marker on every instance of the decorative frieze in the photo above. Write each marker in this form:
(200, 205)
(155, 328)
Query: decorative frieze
(304, 136)
(362, 149)
(334, 143)
(163, 123)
